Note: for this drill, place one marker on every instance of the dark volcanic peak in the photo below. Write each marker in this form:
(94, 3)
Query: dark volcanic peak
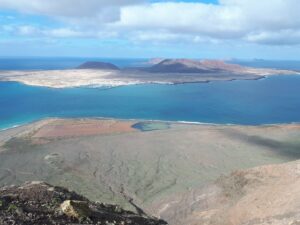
(98, 66)
(42, 204)
(192, 66)
(178, 66)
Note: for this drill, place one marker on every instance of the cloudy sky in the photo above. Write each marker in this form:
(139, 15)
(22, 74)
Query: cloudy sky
(268, 29)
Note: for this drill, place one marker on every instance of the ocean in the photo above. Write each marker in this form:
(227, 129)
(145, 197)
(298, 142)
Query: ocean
(267, 101)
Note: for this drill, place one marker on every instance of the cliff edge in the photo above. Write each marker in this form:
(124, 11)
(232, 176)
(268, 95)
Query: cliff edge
(40, 203)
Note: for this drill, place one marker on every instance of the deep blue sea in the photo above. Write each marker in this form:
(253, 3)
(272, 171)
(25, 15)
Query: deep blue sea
(266, 101)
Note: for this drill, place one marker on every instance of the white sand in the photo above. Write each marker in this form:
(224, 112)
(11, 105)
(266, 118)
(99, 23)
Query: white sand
(66, 78)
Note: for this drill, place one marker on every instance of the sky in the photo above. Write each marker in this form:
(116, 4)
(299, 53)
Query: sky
(223, 29)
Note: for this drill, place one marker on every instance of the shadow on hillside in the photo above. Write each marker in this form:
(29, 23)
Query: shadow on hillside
(290, 149)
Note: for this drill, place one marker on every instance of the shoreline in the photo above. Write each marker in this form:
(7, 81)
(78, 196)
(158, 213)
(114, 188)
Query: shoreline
(178, 122)
(135, 83)
(26, 122)
(89, 78)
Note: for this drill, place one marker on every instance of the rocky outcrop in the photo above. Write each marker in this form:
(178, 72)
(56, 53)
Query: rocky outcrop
(42, 204)
(76, 209)
(98, 66)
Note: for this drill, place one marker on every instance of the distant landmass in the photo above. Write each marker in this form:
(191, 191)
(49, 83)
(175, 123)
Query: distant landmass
(193, 66)
(158, 71)
(98, 66)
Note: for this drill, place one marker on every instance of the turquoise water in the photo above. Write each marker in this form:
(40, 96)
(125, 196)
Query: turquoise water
(272, 100)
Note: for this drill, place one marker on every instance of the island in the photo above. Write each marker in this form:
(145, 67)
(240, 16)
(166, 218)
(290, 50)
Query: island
(163, 71)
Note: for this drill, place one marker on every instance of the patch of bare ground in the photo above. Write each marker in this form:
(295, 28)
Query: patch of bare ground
(83, 127)
(164, 172)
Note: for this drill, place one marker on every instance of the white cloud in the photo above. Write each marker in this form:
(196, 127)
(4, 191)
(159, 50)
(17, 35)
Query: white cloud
(70, 9)
(283, 37)
(195, 18)
(65, 32)
(264, 21)
(231, 19)
(168, 37)
(32, 31)
(26, 30)
(158, 36)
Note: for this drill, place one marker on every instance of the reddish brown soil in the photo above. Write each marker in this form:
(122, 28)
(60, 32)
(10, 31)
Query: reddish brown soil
(88, 127)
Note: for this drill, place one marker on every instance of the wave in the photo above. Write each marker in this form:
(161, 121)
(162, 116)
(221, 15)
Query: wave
(11, 127)
(146, 120)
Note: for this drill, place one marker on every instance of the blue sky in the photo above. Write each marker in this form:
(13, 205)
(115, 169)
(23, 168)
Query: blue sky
(268, 29)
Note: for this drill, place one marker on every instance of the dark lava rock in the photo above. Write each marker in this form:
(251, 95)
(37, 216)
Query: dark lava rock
(42, 204)
(98, 66)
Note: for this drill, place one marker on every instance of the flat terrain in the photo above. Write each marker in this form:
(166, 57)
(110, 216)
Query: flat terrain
(110, 161)
(66, 78)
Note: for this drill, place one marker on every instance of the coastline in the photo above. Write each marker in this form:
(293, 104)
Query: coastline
(76, 78)
(78, 152)
(161, 169)
(136, 120)
(13, 124)
(115, 85)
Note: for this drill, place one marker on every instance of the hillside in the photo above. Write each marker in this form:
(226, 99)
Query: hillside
(98, 66)
(168, 162)
(259, 196)
(194, 66)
